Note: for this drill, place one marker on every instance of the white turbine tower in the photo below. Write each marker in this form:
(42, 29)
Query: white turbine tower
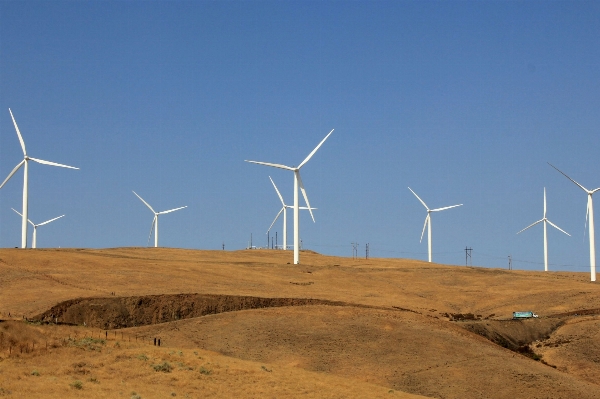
(25, 162)
(284, 210)
(297, 182)
(35, 226)
(155, 220)
(428, 219)
(590, 211)
(545, 220)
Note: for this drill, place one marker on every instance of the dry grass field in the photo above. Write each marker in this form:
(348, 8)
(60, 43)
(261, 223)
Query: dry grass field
(250, 324)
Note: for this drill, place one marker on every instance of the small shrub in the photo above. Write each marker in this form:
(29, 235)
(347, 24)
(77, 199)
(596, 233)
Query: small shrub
(135, 396)
(77, 384)
(94, 380)
(142, 357)
(164, 367)
(36, 373)
(205, 371)
(266, 369)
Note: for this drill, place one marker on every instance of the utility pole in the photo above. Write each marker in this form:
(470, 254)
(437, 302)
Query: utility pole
(468, 256)
(354, 250)
(223, 245)
(367, 251)
(509, 262)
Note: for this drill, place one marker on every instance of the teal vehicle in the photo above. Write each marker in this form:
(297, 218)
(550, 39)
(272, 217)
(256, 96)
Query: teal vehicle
(524, 315)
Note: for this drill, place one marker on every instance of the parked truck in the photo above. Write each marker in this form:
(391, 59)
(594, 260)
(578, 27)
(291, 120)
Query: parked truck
(524, 315)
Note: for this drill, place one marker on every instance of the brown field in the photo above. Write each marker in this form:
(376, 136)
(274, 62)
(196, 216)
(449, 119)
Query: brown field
(249, 324)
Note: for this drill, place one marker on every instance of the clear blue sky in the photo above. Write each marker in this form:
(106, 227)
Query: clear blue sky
(464, 102)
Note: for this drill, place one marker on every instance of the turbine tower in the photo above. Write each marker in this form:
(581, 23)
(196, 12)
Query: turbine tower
(155, 220)
(297, 182)
(25, 162)
(284, 210)
(428, 220)
(35, 226)
(589, 211)
(545, 220)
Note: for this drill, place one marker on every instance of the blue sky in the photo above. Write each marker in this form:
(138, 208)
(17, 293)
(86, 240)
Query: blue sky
(465, 102)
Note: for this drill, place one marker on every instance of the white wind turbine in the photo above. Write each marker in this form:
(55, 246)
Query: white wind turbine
(35, 226)
(428, 219)
(297, 182)
(545, 220)
(155, 220)
(590, 211)
(284, 210)
(25, 162)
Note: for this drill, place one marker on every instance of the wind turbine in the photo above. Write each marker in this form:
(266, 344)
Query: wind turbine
(297, 182)
(155, 220)
(428, 219)
(35, 226)
(284, 210)
(25, 162)
(590, 211)
(545, 220)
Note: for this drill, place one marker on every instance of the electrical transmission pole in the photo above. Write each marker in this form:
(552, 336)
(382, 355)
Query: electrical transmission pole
(468, 256)
(367, 251)
(354, 250)
(509, 262)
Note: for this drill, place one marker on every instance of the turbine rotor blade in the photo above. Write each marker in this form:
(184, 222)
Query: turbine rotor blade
(171, 210)
(444, 208)
(304, 194)
(52, 163)
(425, 225)
(278, 193)
(12, 173)
(418, 198)
(275, 165)
(148, 205)
(274, 220)
(583, 188)
(531, 225)
(151, 228)
(315, 150)
(48, 221)
(544, 201)
(18, 133)
(556, 227)
(17, 212)
(301, 207)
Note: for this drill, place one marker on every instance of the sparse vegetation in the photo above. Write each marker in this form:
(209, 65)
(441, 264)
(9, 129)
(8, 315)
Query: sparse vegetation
(142, 357)
(165, 367)
(205, 371)
(266, 369)
(77, 384)
(36, 373)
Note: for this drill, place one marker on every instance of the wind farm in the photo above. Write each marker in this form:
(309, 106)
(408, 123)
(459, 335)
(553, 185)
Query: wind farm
(236, 113)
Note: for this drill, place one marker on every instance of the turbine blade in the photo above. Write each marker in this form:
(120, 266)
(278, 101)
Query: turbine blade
(274, 220)
(171, 210)
(425, 225)
(275, 165)
(315, 150)
(301, 207)
(12, 173)
(148, 205)
(279, 194)
(304, 194)
(30, 222)
(531, 225)
(18, 132)
(544, 201)
(556, 227)
(151, 229)
(583, 188)
(444, 208)
(48, 221)
(52, 163)
(587, 211)
(418, 198)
